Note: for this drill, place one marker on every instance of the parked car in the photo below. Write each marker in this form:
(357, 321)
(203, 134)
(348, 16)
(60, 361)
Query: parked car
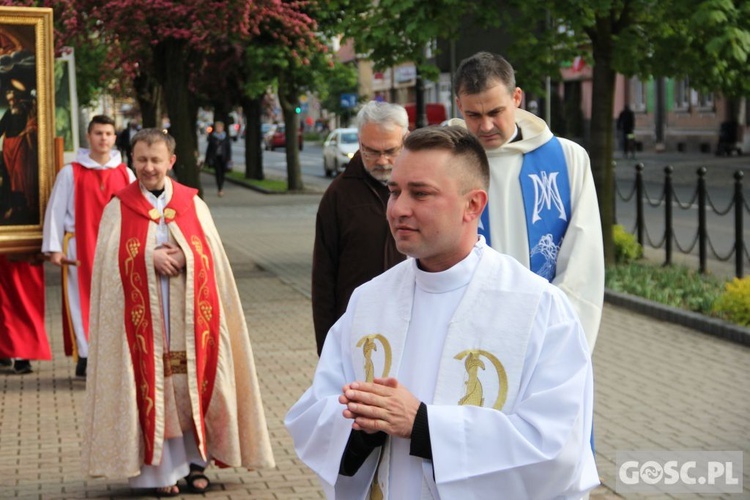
(276, 138)
(338, 148)
(234, 125)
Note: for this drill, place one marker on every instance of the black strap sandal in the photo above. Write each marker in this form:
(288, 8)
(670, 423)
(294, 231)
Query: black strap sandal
(196, 474)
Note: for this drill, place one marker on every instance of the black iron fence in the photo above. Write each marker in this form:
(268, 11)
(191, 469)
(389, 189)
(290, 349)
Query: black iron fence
(700, 199)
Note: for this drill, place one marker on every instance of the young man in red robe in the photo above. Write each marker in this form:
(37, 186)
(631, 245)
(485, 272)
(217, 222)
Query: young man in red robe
(71, 226)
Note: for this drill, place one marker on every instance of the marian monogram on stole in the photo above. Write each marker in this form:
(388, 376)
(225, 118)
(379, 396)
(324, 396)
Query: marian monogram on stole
(474, 394)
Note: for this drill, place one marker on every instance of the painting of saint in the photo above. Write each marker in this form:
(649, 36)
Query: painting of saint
(19, 161)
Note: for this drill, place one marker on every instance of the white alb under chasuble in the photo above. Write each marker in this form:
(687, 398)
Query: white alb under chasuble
(497, 426)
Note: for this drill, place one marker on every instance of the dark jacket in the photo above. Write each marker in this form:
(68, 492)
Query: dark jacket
(353, 243)
(218, 151)
(626, 121)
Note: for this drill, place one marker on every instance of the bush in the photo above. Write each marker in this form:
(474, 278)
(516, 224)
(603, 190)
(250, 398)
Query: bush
(734, 303)
(675, 286)
(627, 249)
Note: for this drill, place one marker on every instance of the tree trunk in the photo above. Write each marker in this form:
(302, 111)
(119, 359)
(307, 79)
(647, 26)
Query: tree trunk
(221, 114)
(172, 56)
(148, 93)
(253, 109)
(420, 120)
(288, 101)
(601, 146)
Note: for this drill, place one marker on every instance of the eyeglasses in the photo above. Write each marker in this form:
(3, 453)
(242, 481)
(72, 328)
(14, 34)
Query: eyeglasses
(372, 154)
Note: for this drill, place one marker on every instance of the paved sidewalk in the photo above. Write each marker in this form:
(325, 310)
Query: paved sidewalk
(658, 386)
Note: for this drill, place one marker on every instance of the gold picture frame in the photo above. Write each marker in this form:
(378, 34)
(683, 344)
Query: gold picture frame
(27, 93)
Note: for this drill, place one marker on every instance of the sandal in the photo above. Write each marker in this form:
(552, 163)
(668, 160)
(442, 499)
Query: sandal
(196, 474)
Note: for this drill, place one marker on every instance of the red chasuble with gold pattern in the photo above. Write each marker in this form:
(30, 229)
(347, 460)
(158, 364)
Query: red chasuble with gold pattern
(137, 214)
(93, 190)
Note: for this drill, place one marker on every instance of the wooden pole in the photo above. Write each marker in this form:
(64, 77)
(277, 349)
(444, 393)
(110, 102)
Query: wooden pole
(59, 152)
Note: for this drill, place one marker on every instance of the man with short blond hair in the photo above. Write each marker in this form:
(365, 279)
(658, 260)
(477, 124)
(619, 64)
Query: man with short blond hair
(458, 373)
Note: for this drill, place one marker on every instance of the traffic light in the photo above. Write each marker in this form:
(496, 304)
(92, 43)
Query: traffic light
(298, 110)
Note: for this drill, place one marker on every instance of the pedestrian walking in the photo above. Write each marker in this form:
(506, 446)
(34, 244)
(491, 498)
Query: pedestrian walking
(219, 154)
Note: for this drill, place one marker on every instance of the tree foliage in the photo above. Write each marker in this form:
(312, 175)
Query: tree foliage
(288, 54)
(707, 40)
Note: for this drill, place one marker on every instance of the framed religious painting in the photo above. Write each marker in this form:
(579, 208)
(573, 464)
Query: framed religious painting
(26, 125)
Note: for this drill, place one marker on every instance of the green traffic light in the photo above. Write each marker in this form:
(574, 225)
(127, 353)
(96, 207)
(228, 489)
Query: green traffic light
(298, 110)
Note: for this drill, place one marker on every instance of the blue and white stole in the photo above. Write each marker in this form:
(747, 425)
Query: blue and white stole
(545, 188)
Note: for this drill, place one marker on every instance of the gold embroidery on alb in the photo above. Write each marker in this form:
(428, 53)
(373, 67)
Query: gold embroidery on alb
(367, 343)
(474, 392)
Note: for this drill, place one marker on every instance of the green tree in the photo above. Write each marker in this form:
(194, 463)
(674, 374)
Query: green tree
(289, 55)
(392, 32)
(709, 39)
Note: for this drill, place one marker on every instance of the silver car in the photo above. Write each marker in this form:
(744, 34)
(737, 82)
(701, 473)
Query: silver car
(338, 149)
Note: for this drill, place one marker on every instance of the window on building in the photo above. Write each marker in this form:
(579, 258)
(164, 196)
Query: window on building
(638, 95)
(704, 101)
(681, 95)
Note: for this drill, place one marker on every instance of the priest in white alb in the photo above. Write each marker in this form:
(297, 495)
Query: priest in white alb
(457, 374)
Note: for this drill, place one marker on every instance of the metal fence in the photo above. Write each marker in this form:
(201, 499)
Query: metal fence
(701, 200)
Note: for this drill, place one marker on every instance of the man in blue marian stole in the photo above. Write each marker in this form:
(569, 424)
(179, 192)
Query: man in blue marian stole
(543, 208)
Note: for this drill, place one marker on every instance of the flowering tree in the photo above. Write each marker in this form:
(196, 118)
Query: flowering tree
(287, 53)
(166, 42)
(70, 31)
(180, 46)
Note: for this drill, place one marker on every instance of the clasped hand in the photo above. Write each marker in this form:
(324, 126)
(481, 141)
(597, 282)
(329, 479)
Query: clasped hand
(383, 405)
(169, 260)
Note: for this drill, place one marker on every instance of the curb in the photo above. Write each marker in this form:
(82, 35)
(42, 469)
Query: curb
(238, 182)
(699, 322)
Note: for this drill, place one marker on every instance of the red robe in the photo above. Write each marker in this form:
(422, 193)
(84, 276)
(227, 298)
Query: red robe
(99, 185)
(22, 332)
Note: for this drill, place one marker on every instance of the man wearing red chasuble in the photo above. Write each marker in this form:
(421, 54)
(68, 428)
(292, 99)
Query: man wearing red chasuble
(71, 225)
(171, 382)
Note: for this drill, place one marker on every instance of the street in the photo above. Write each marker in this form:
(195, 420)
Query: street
(274, 162)
(719, 183)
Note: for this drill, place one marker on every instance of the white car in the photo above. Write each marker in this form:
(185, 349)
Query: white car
(338, 148)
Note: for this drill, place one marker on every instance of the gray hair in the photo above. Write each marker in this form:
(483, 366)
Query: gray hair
(385, 114)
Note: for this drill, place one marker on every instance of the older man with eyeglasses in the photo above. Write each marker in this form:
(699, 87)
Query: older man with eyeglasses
(352, 241)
